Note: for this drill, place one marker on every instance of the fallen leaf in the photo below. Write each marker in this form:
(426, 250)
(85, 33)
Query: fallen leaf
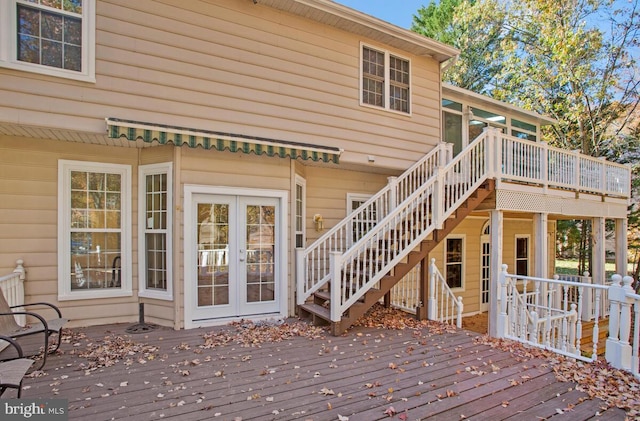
(391, 411)
(326, 391)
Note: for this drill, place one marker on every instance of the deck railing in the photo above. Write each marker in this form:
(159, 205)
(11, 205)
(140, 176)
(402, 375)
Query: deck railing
(538, 163)
(12, 286)
(623, 344)
(588, 309)
(544, 313)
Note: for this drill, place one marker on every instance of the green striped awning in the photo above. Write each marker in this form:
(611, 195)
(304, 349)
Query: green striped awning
(163, 134)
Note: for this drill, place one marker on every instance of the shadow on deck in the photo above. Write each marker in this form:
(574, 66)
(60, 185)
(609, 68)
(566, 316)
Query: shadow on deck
(298, 372)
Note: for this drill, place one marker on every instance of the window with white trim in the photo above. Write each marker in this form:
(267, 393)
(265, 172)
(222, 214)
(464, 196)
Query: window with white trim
(522, 255)
(365, 220)
(94, 230)
(300, 198)
(385, 80)
(53, 37)
(155, 270)
(454, 262)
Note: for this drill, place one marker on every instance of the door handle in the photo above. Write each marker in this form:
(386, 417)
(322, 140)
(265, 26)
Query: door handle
(241, 258)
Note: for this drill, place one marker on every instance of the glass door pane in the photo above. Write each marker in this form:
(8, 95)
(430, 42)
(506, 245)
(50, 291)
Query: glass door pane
(213, 254)
(260, 236)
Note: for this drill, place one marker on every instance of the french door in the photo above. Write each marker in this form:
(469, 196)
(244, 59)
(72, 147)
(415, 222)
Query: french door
(235, 246)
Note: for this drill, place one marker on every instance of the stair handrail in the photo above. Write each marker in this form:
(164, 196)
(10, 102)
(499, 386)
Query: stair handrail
(431, 204)
(312, 263)
(443, 306)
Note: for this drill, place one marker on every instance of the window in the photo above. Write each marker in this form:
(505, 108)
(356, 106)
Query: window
(54, 37)
(454, 260)
(365, 220)
(155, 227)
(522, 256)
(301, 188)
(94, 230)
(524, 130)
(385, 80)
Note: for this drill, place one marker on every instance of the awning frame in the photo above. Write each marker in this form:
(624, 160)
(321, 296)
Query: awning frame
(209, 139)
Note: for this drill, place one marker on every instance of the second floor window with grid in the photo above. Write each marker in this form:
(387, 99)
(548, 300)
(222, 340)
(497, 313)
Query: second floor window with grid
(385, 80)
(53, 37)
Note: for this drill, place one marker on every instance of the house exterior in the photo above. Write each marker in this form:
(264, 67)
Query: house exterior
(184, 154)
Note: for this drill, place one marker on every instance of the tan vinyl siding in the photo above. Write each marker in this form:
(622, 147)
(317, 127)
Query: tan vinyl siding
(29, 218)
(231, 66)
(327, 194)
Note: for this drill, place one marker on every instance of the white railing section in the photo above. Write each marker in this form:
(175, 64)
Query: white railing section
(405, 295)
(544, 313)
(588, 309)
(538, 163)
(312, 263)
(12, 286)
(443, 305)
(623, 344)
(393, 238)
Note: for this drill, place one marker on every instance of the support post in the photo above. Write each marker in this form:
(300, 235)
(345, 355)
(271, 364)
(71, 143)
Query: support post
(599, 252)
(301, 275)
(540, 229)
(501, 325)
(335, 264)
(496, 224)
(392, 183)
(618, 350)
(622, 246)
(432, 307)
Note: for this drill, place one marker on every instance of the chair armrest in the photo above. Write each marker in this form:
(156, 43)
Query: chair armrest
(28, 313)
(53, 306)
(15, 344)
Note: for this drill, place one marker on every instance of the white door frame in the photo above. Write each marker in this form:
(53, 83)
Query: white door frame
(190, 259)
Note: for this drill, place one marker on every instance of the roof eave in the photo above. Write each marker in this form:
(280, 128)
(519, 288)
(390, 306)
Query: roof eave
(351, 20)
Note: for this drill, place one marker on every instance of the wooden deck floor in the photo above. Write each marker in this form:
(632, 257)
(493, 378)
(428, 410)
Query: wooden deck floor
(366, 374)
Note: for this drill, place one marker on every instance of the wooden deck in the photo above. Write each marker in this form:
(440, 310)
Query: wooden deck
(366, 374)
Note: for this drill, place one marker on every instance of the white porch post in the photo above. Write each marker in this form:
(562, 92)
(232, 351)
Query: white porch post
(599, 254)
(496, 224)
(622, 246)
(541, 258)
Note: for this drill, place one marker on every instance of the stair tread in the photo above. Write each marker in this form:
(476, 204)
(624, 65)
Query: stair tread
(325, 295)
(317, 309)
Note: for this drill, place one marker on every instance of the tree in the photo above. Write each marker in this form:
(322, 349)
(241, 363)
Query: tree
(473, 27)
(572, 60)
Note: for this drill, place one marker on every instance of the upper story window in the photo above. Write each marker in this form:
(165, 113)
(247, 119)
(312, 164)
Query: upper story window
(385, 80)
(53, 37)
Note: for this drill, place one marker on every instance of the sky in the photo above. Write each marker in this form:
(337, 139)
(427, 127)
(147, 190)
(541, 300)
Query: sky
(398, 12)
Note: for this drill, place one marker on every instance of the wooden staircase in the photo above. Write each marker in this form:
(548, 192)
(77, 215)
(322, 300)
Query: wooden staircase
(317, 308)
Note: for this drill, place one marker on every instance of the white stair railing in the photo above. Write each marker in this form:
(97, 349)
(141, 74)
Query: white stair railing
(392, 239)
(443, 305)
(544, 312)
(12, 286)
(312, 263)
